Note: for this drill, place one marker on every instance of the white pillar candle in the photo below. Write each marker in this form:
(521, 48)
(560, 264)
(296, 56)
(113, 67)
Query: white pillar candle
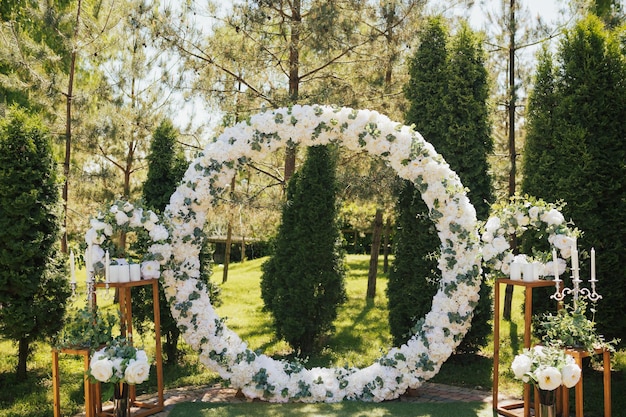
(575, 260)
(536, 271)
(72, 268)
(114, 273)
(124, 273)
(107, 267)
(88, 263)
(516, 271)
(556, 265)
(135, 272)
(593, 264)
(528, 271)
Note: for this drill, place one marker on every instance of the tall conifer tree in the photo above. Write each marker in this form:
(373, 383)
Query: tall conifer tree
(33, 286)
(413, 275)
(575, 152)
(303, 282)
(448, 92)
(166, 168)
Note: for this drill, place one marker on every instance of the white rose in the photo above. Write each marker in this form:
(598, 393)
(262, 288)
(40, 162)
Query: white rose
(570, 375)
(91, 236)
(101, 369)
(150, 270)
(135, 219)
(128, 207)
(500, 244)
(492, 225)
(158, 233)
(137, 371)
(121, 218)
(533, 213)
(549, 378)
(521, 219)
(97, 224)
(520, 366)
(552, 217)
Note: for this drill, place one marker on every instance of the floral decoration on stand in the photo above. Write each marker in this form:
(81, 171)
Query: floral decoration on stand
(546, 367)
(404, 149)
(519, 215)
(86, 328)
(120, 362)
(571, 328)
(150, 242)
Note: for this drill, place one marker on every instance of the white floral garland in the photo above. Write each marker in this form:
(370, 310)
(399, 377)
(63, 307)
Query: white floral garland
(124, 216)
(517, 216)
(259, 376)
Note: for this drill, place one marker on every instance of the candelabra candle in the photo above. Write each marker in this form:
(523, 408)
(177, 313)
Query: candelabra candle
(576, 291)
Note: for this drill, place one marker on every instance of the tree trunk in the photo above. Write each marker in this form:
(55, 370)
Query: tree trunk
(376, 236)
(508, 293)
(229, 236)
(386, 245)
(294, 78)
(22, 358)
(68, 131)
(171, 345)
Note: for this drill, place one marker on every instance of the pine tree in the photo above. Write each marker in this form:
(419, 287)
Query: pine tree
(303, 282)
(166, 168)
(33, 286)
(448, 93)
(575, 151)
(413, 276)
(466, 148)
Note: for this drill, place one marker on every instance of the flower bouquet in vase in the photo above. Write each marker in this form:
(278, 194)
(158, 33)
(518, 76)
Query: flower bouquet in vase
(121, 364)
(547, 368)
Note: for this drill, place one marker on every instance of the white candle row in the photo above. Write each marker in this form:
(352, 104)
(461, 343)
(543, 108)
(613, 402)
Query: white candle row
(575, 269)
(113, 273)
(525, 271)
(124, 273)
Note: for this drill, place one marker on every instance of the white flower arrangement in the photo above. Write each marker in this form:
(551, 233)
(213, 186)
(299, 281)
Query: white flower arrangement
(259, 376)
(120, 362)
(516, 217)
(123, 216)
(547, 367)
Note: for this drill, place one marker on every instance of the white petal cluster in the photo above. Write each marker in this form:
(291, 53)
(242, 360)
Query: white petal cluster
(516, 217)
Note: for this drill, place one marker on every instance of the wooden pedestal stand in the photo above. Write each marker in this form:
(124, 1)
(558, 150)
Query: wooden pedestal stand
(90, 391)
(578, 355)
(126, 324)
(528, 309)
(93, 397)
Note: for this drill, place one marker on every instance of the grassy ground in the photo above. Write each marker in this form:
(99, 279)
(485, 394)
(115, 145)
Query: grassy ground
(344, 409)
(362, 334)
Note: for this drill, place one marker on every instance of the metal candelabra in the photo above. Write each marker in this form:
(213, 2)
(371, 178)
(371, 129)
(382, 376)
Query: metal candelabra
(577, 291)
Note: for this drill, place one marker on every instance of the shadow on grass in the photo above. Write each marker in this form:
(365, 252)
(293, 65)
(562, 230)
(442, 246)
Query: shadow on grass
(342, 409)
(467, 370)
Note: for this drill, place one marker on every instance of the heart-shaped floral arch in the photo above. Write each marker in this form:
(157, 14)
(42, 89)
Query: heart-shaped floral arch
(259, 376)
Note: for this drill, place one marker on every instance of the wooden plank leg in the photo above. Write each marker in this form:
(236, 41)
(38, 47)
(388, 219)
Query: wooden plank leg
(606, 358)
(55, 383)
(89, 405)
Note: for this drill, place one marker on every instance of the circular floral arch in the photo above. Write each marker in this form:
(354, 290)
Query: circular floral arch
(258, 375)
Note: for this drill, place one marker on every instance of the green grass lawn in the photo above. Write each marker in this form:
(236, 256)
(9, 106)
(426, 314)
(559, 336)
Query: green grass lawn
(343, 409)
(361, 336)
